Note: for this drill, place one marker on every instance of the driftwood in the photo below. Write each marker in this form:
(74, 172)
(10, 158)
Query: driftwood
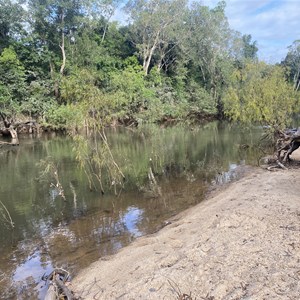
(288, 142)
(11, 129)
(57, 288)
(52, 293)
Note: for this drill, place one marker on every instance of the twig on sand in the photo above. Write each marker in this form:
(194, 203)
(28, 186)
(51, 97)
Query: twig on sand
(278, 165)
(282, 166)
(180, 295)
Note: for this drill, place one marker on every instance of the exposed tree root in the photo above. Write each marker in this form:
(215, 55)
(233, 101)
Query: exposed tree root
(288, 142)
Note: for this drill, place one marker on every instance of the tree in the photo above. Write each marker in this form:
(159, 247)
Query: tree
(11, 18)
(249, 48)
(292, 61)
(12, 77)
(153, 22)
(52, 22)
(260, 94)
(105, 9)
(209, 55)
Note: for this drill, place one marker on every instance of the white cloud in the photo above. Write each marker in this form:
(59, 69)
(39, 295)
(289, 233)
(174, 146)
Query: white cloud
(274, 24)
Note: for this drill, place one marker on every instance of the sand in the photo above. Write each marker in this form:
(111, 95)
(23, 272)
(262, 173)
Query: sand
(242, 242)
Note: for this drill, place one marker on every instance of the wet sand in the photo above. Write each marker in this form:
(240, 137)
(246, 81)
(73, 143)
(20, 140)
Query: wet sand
(242, 242)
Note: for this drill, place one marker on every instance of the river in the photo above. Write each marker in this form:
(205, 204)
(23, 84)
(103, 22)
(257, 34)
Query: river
(50, 232)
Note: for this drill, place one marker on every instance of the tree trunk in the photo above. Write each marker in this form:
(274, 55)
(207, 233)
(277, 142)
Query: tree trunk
(298, 84)
(63, 65)
(297, 80)
(9, 128)
(14, 136)
(149, 54)
(147, 62)
(62, 46)
(104, 33)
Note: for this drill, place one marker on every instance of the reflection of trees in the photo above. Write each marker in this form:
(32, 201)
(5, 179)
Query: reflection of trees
(73, 247)
(88, 238)
(183, 161)
(177, 195)
(176, 150)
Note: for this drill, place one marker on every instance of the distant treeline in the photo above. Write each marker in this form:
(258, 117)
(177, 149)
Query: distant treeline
(64, 62)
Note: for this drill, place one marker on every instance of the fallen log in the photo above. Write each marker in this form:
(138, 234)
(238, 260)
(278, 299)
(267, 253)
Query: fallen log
(52, 293)
(57, 288)
(11, 128)
(62, 287)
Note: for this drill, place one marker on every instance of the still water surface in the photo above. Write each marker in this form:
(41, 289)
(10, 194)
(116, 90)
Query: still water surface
(50, 232)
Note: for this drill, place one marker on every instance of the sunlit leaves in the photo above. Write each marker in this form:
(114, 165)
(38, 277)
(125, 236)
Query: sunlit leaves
(12, 80)
(260, 94)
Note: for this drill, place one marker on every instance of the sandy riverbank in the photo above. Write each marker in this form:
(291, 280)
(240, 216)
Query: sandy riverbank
(241, 243)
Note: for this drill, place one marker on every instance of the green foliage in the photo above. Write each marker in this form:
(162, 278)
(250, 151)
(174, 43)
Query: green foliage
(5, 99)
(66, 116)
(35, 58)
(249, 48)
(292, 64)
(200, 100)
(97, 161)
(80, 89)
(260, 94)
(85, 51)
(129, 88)
(12, 75)
(209, 53)
(38, 101)
(172, 100)
(154, 24)
(172, 60)
(11, 18)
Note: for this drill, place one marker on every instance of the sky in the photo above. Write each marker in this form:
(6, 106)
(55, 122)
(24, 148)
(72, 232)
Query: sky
(274, 24)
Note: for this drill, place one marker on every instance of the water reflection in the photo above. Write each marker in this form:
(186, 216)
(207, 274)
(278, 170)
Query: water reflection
(131, 219)
(35, 264)
(50, 232)
(230, 175)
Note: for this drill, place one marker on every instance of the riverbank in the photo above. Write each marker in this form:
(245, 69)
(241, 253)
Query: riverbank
(241, 243)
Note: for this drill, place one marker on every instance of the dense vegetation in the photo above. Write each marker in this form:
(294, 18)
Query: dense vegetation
(64, 61)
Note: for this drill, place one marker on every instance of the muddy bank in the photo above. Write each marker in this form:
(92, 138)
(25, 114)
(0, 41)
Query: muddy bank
(241, 243)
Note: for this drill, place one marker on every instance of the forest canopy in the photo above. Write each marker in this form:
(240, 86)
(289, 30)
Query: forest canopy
(63, 61)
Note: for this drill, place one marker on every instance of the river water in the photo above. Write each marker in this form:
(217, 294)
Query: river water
(50, 232)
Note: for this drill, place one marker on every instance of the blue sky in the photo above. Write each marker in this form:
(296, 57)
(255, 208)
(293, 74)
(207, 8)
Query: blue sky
(274, 24)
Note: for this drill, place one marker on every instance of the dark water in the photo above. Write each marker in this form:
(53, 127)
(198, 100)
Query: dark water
(50, 232)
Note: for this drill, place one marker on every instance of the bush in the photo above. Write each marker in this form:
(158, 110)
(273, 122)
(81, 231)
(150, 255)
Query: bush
(260, 94)
(200, 101)
(64, 116)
